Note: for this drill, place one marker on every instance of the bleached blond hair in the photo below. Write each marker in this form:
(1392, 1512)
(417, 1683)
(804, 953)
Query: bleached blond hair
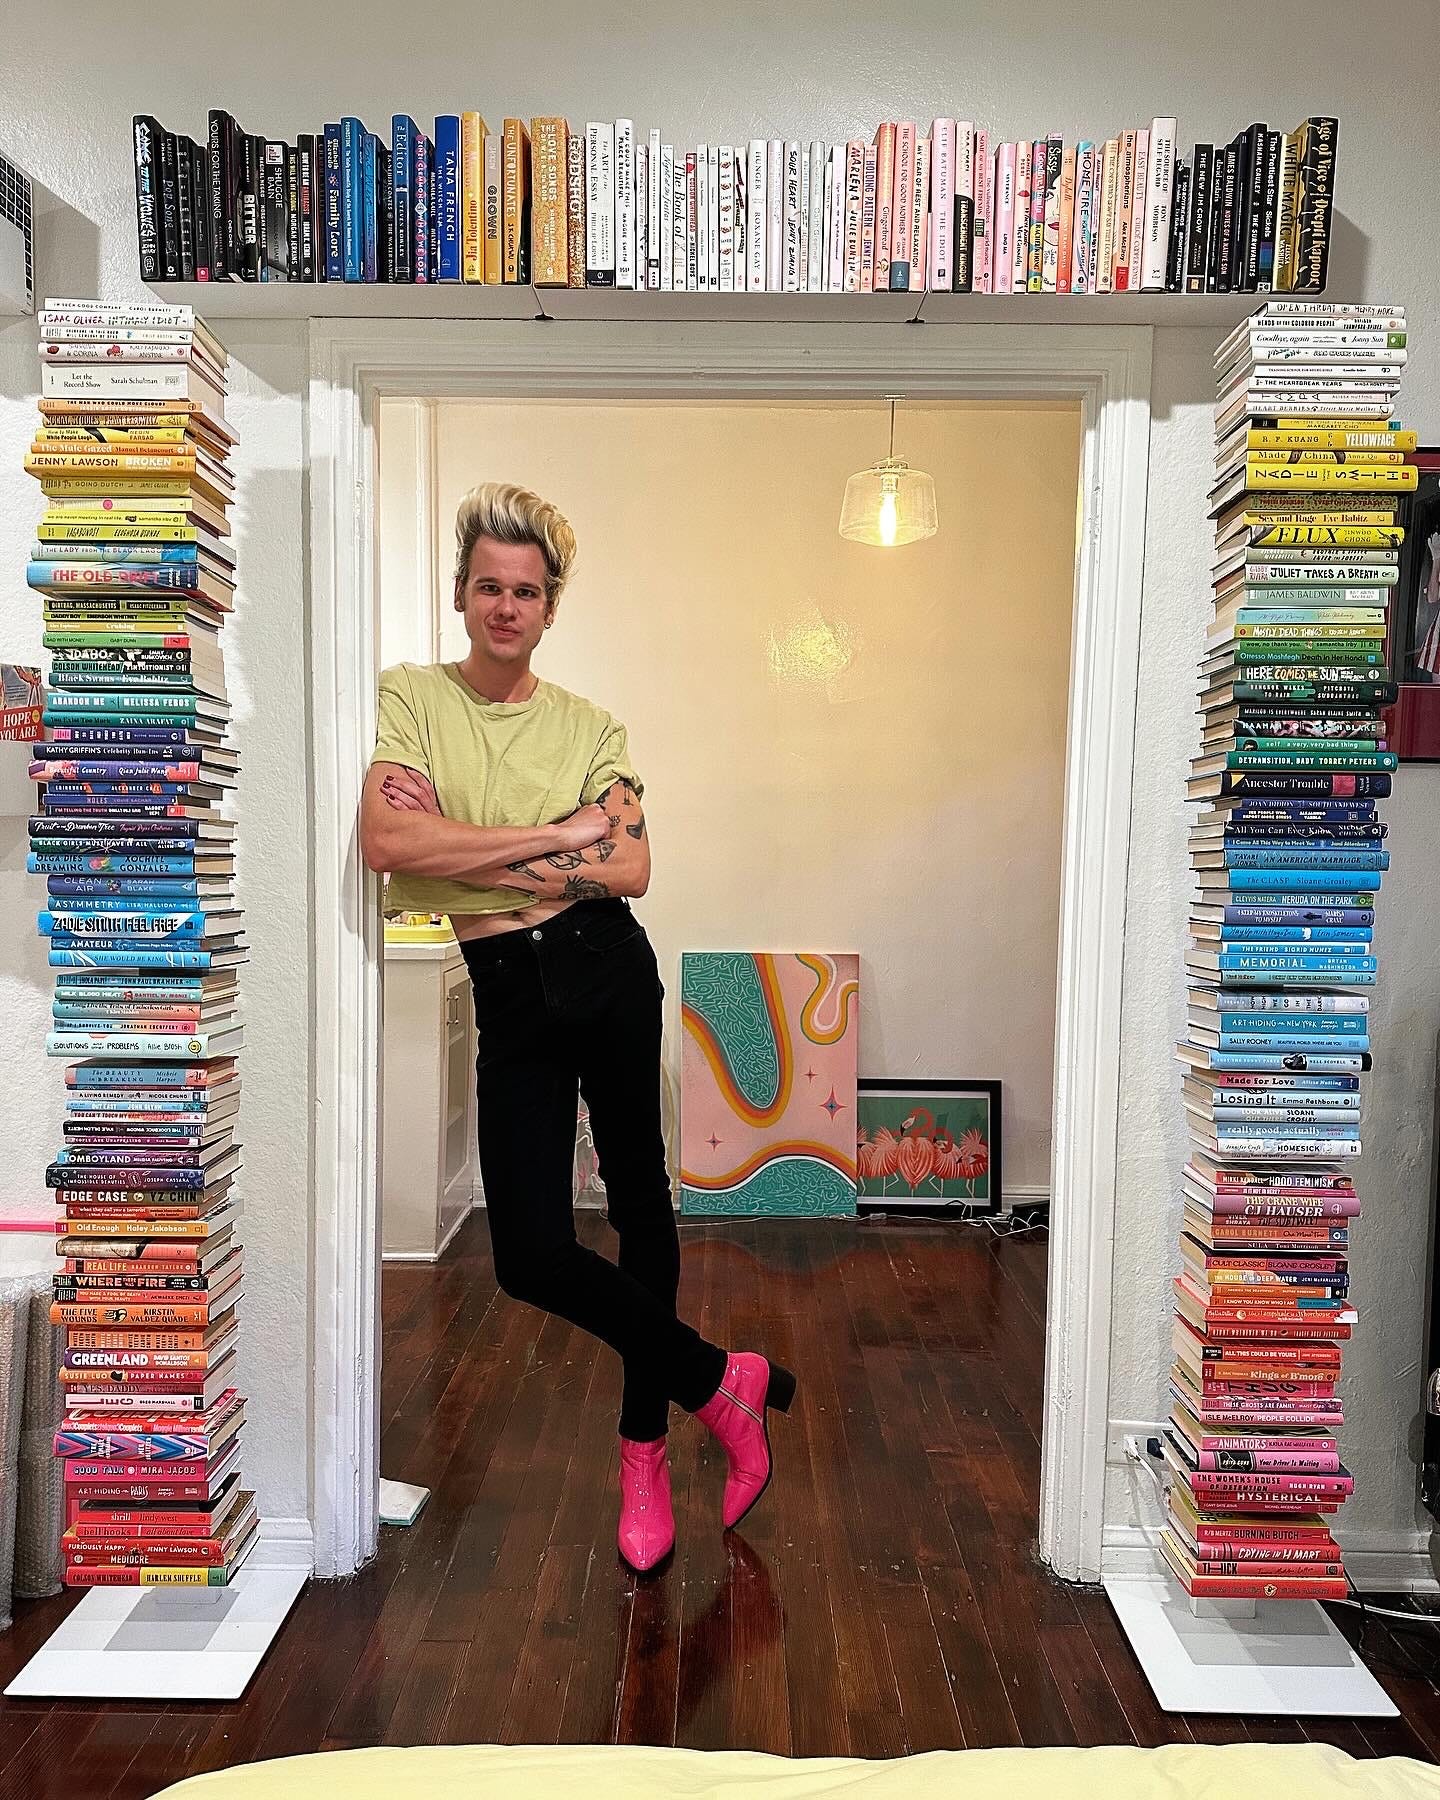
(514, 515)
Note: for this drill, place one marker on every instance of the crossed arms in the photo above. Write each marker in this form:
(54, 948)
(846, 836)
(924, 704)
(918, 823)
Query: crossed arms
(599, 851)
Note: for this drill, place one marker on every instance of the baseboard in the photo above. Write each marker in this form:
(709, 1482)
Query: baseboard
(1380, 1563)
(427, 1256)
(285, 1544)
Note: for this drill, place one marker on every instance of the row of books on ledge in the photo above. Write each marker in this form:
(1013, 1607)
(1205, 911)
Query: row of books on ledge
(548, 203)
(134, 570)
(1288, 857)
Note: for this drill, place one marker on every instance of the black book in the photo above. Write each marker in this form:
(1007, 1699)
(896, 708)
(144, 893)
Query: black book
(292, 212)
(1240, 221)
(1225, 230)
(148, 222)
(217, 188)
(384, 215)
(185, 205)
(305, 160)
(1269, 212)
(963, 251)
(1197, 250)
(249, 206)
(432, 175)
(276, 215)
(200, 186)
(169, 207)
(1179, 230)
(1313, 204)
(1256, 152)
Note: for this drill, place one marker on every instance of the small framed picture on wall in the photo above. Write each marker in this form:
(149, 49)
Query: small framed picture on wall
(1413, 722)
(930, 1144)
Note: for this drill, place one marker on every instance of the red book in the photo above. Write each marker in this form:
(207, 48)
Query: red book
(120, 1554)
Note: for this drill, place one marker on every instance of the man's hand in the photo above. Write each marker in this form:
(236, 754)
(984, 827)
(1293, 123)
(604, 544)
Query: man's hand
(582, 829)
(407, 790)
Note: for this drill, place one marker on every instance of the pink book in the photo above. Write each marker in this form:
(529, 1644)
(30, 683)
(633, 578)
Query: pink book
(1003, 249)
(867, 221)
(884, 203)
(1138, 194)
(1020, 234)
(985, 213)
(902, 203)
(1292, 1204)
(1215, 1418)
(920, 218)
(944, 151)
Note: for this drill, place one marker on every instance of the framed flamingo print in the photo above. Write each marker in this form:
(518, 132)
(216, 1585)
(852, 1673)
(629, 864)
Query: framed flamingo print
(932, 1144)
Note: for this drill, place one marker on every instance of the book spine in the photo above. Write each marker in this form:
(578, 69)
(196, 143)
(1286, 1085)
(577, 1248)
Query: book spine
(1225, 272)
(217, 151)
(369, 209)
(1159, 197)
(1138, 196)
(884, 146)
(1179, 230)
(920, 217)
(1315, 194)
(624, 194)
(756, 239)
(854, 214)
(447, 196)
(775, 216)
(1269, 213)
(171, 263)
(1124, 211)
(1104, 281)
(1198, 236)
(943, 145)
(291, 178)
(472, 188)
(1020, 237)
(350, 199)
(493, 202)
(148, 218)
(1286, 197)
(868, 179)
(696, 165)
(1003, 275)
(1065, 223)
(654, 167)
(790, 278)
(550, 236)
(902, 205)
(600, 204)
(816, 245)
(982, 258)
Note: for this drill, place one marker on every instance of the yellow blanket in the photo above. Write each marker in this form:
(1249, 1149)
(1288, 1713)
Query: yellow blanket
(545, 1772)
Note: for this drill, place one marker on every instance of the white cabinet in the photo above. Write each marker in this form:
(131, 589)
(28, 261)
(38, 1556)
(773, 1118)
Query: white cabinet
(429, 1175)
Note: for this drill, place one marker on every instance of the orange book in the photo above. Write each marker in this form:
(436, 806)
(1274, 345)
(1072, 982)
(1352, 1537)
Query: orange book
(575, 208)
(1067, 213)
(549, 225)
(191, 1338)
(472, 210)
(515, 201)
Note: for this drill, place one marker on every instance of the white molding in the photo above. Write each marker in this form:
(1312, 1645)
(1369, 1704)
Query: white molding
(429, 1256)
(1106, 369)
(285, 1544)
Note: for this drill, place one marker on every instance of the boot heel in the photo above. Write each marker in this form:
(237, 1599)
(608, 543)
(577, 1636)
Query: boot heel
(780, 1390)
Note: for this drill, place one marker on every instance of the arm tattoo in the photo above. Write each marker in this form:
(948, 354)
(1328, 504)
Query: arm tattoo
(581, 887)
(523, 868)
(637, 831)
(605, 849)
(565, 859)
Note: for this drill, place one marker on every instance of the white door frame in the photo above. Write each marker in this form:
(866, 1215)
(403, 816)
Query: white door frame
(1105, 369)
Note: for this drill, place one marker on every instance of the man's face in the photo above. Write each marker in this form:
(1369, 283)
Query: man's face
(505, 605)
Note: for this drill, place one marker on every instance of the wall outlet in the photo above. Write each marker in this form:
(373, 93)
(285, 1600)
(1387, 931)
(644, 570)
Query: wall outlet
(1120, 1429)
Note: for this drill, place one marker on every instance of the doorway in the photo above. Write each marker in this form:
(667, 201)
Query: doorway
(1104, 375)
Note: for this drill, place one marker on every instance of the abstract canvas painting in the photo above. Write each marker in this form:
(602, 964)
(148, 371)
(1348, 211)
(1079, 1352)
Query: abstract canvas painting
(767, 1082)
(929, 1143)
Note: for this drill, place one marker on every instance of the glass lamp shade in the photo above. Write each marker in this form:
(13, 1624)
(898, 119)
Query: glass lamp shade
(888, 505)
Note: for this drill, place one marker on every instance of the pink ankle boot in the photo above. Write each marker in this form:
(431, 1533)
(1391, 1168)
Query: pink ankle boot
(647, 1525)
(737, 1416)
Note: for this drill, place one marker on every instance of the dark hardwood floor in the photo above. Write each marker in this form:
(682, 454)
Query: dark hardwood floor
(884, 1598)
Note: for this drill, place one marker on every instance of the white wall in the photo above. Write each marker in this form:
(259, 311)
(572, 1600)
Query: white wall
(844, 748)
(806, 70)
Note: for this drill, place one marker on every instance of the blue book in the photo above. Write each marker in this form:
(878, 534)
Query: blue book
(403, 131)
(139, 789)
(107, 551)
(96, 956)
(1280, 1042)
(1291, 1128)
(422, 186)
(369, 210)
(105, 772)
(1261, 965)
(1295, 934)
(141, 888)
(1298, 915)
(105, 905)
(1313, 881)
(176, 574)
(1301, 1087)
(80, 868)
(1317, 1024)
(1360, 899)
(1306, 856)
(447, 196)
(1311, 810)
(334, 240)
(158, 737)
(1284, 1061)
(352, 148)
(94, 1104)
(105, 1075)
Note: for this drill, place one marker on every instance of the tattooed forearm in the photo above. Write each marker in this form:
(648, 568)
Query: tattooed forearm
(583, 887)
(605, 849)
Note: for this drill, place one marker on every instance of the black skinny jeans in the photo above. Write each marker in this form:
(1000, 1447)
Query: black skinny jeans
(573, 1007)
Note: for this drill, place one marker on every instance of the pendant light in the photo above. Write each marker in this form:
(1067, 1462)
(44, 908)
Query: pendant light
(891, 503)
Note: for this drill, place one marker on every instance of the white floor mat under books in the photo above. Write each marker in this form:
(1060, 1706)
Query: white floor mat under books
(132, 1643)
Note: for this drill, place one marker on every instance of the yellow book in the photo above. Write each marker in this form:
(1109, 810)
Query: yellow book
(1314, 509)
(549, 234)
(1328, 458)
(1330, 437)
(515, 201)
(575, 206)
(1262, 476)
(473, 130)
(493, 177)
(132, 465)
(123, 437)
(122, 534)
(1372, 536)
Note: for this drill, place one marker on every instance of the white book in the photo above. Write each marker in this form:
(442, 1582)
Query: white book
(692, 222)
(600, 204)
(1159, 188)
(791, 280)
(944, 135)
(839, 164)
(702, 217)
(712, 240)
(653, 240)
(642, 214)
(1139, 188)
(678, 206)
(667, 218)
(727, 219)
(624, 203)
(815, 265)
(804, 219)
(775, 216)
(755, 217)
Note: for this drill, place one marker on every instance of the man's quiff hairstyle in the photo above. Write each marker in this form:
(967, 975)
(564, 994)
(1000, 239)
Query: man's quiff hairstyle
(513, 515)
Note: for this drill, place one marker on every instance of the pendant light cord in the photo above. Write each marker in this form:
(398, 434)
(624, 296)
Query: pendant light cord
(892, 428)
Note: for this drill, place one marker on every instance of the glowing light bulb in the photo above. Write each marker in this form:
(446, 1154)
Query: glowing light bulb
(888, 521)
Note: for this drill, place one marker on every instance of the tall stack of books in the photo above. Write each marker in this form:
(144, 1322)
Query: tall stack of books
(900, 207)
(134, 566)
(1288, 855)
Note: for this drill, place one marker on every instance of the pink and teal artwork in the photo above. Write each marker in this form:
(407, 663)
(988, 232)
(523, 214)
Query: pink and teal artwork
(768, 1082)
(929, 1143)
